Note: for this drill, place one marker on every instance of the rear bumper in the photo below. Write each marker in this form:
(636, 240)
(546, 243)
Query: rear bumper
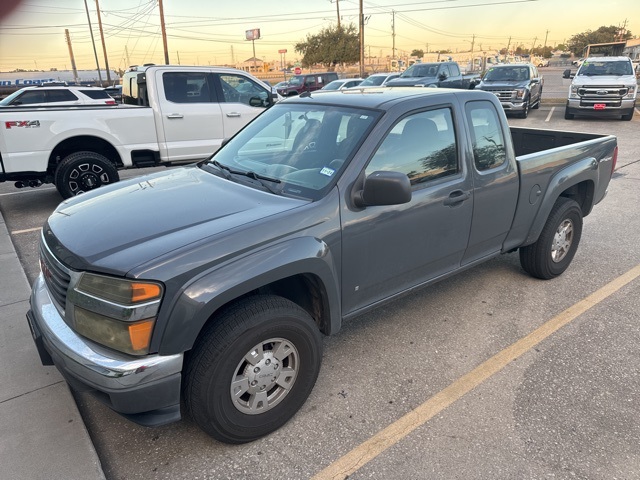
(144, 389)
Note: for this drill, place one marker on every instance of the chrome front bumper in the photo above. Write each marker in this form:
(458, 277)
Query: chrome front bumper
(145, 389)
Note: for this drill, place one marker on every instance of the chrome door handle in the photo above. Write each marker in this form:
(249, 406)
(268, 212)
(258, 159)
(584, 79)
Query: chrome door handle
(233, 114)
(456, 197)
(175, 115)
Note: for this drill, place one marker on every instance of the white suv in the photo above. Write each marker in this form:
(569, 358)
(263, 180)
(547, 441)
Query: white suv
(54, 95)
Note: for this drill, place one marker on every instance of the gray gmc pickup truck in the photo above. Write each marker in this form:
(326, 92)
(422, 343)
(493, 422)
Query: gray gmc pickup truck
(213, 284)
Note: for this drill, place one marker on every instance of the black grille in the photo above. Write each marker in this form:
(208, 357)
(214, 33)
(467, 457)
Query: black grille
(56, 276)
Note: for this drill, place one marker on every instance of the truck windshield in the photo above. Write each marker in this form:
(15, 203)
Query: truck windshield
(510, 74)
(421, 70)
(616, 68)
(302, 149)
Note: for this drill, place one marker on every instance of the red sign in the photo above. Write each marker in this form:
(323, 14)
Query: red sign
(297, 71)
(599, 106)
(284, 50)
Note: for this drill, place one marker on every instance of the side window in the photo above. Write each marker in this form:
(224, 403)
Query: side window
(30, 97)
(61, 96)
(310, 81)
(455, 71)
(94, 94)
(240, 89)
(486, 135)
(186, 87)
(423, 146)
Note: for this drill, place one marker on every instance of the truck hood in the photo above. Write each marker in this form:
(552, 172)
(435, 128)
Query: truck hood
(595, 80)
(502, 84)
(115, 228)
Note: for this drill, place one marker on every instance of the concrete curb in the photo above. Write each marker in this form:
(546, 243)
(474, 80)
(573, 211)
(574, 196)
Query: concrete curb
(42, 435)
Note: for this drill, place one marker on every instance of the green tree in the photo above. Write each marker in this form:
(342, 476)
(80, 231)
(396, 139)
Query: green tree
(578, 43)
(333, 45)
(417, 53)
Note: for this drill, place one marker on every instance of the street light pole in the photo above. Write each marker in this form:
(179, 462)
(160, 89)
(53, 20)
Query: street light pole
(361, 41)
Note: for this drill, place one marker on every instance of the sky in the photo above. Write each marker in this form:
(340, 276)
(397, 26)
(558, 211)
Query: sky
(212, 32)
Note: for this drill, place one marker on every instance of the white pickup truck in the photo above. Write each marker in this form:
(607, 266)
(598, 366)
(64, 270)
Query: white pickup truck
(171, 114)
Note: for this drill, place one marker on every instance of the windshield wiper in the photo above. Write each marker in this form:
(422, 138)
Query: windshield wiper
(261, 179)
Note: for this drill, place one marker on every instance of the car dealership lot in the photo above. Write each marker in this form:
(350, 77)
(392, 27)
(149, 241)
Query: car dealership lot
(566, 407)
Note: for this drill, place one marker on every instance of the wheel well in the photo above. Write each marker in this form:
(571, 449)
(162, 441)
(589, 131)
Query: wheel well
(79, 144)
(582, 193)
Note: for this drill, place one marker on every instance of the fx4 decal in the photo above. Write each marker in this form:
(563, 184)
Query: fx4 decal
(22, 123)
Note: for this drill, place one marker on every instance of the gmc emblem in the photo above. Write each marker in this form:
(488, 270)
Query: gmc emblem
(22, 123)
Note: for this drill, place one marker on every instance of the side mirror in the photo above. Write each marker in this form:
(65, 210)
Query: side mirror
(442, 76)
(257, 102)
(384, 188)
(535, 80)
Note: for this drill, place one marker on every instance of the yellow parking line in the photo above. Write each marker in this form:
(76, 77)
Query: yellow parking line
(369, 450)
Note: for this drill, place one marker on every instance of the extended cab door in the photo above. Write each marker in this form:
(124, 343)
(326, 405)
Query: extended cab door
(449, 76)
(190, 114)
(241, 100)
(495, 179)
(389, 249)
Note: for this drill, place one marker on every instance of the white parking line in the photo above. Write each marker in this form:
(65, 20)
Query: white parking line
(550, 113)
(28, 230)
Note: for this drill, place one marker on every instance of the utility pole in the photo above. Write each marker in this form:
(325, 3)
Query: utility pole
(177, 55)
(473, 41)
(73, 60)
(393, 33)
(93, 42)
(534, 44)
(361, 41)
(338, 9)
(104, 46)
(507, 50)
(164, 34)
(126, 52)
(545, 40)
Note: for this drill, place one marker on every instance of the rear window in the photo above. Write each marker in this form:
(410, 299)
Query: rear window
(96, 94)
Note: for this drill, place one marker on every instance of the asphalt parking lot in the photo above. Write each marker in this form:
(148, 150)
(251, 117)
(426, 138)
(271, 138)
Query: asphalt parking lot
(444, 371)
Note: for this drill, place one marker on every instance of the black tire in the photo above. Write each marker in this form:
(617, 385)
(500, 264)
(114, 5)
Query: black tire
(219, 365)
(83, 171)
(628, 116)
(568, 115)
(552, 253)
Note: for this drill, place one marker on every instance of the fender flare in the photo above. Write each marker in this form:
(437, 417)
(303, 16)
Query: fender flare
(204, 295)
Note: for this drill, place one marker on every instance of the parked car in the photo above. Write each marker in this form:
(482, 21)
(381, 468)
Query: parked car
(437, 74)
(211, 285)
(57, 95)
(378, 79)
(342, 84)
(306, 83)
(517, 86)
(603, 87)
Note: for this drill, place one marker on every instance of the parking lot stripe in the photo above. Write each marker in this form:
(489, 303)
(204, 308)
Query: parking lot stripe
(28, 230)
(370, 449)
(550, 113)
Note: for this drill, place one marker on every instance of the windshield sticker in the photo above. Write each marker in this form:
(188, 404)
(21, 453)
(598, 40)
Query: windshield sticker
(327, 171)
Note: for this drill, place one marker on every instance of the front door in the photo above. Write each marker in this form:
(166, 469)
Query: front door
(389, 249)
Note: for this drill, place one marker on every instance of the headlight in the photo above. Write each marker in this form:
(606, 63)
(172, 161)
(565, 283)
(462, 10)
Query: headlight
(115, 312)
(573, 91)
(632, 91)
(520, 93)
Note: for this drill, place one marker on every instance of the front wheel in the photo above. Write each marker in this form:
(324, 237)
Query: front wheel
(568, 115)
(555, 248)
(84, 171)
(525, 111)
(628, 116)
(252, 369)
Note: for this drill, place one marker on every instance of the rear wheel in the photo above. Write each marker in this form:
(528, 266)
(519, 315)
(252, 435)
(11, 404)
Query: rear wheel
(84, 171)
(552, 253)
(252, 369)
